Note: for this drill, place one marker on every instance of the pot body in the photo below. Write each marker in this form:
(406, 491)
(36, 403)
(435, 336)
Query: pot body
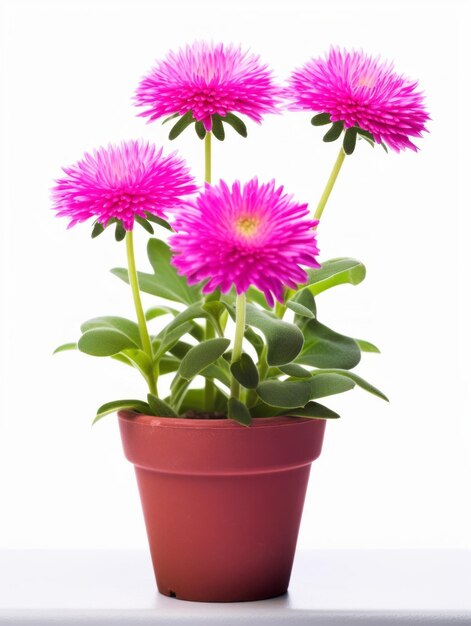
(222, 502)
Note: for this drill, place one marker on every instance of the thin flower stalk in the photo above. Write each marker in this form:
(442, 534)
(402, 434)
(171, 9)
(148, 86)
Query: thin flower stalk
(209, 330)
(330, 184)
(141, 319)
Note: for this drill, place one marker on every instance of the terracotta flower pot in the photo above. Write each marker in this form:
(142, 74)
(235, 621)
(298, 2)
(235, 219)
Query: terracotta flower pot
(222, 502)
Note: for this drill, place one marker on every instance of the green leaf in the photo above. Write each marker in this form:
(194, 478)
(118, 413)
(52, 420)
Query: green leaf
(119, 405)
(180, 126)
(219, 370)
(97, 229)
(300, 309)
(104, 342)
(122, 358)
(366, 346)
(384, 146)
(157, 311)
(209, 311)
(334, 132)
(239, 412)
(119, 233)
(140, 360)
(245, 372)
(195, 400)
(202, 355)
(368, 141)
(324, 347)
(200, 130)
(295, 371)
(236, 123)
(180, 349)
(217, 128)
(165, 283)
(192, 312)
(214, 308)
(350, 139)
(285, 394)
(305, 299)
(158, 220)
(159, 407)
(293, 394)
(315, 410)
(364, 134)
(335, 272)
(261, 409)
(175, 286)
(214, 296)
(361, 382)
(284, 340)
(166, 343)
(197, 331)
(127, 327)
(321, 119)
(213, 311)
(170, 117)
(168, 364)
(148, 283)
(323, 385)
(145, 224)
(255, 340)
(64, 347)
(178, 390)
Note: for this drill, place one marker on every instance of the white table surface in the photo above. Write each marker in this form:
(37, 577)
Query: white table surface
(328, 587)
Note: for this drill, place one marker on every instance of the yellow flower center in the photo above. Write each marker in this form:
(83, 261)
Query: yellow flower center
(247, 226)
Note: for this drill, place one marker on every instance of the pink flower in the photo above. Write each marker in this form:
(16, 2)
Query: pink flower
(254, 235)
(122, 182)
(208, 79)
(361, 91)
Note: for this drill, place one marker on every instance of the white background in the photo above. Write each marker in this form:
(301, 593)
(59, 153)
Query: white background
(390, 475)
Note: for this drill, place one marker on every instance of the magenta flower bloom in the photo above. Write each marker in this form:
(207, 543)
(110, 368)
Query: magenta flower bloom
(122, 182)
(208, 79)
(254, 235)
(361, 91)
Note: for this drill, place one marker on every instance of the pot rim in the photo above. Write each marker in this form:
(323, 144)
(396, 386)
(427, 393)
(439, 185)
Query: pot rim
(210, 424)
(220, 447)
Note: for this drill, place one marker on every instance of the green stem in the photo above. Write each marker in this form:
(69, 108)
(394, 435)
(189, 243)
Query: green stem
(207, 158)
(280, 309)
(330, 183)
(141, 318)
(238, 340)
(209, 330)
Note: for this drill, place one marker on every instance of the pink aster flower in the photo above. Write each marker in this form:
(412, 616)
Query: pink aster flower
(251, 235)
(122, 182)
(361, 91)
(208, 79)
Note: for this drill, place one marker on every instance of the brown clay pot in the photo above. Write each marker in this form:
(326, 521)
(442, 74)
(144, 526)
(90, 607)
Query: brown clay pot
(222, 502)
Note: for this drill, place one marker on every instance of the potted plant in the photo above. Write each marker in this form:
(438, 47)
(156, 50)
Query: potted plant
(222, 458)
